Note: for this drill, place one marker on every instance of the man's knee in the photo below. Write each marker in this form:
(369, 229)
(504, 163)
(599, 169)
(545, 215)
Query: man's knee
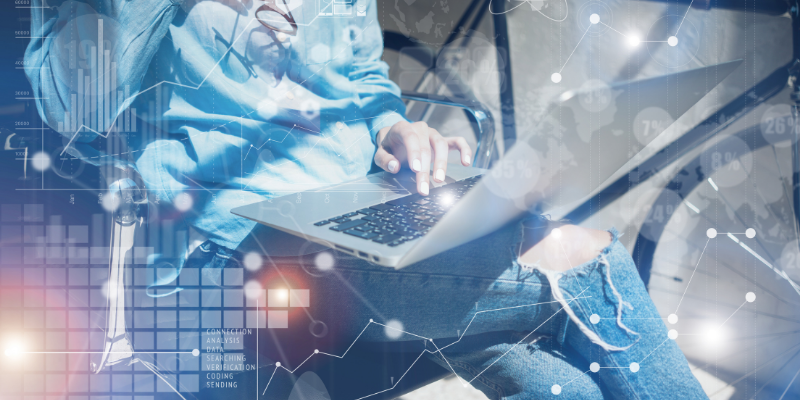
(566, 247)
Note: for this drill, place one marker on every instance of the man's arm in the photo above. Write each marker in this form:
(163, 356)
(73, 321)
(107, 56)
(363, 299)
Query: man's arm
(63, 33)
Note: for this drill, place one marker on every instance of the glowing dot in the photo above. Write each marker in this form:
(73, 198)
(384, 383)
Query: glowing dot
(634, 367)
(594, 367)
(556, 233)
(711, 233)
(324, 261)
(183, 202)
(340, 125)
(594, 18)
(281, 37)
(290, 95)
(253, 289)
(633, 40)
(446, 200)
(40, 161)
(594, 319)
(110, 202)
(278, 364)
(556, 77)
(672, 319)
(556, 389)
(393, 329)
(672, 41)
(195, 352)
(672, 334)
(750, 233)
(371, 320)
(750, 297)
(316, 351)
(252, 261)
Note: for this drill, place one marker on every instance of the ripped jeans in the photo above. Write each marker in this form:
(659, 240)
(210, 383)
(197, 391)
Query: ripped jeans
(512, 331)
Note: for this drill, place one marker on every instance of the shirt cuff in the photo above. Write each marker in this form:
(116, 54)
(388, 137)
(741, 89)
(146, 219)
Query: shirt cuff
(383, 120)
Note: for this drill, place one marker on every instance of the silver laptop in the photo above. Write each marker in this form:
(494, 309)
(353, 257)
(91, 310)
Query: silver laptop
(586, 136)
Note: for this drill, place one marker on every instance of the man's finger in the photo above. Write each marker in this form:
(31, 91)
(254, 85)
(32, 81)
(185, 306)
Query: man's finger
(460, 144)
(440, 150)
(386, 161)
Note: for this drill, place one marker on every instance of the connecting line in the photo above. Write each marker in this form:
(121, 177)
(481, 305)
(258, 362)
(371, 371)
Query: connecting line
(269, 140)
(573, 379)
(539, 11)
(398, 380)
(734, 312)
(684, 17)
(654, 350)
(576, 48)
(690, 278)
(438, 350)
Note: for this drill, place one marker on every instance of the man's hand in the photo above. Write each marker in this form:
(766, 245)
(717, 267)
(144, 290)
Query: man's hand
(411, 144)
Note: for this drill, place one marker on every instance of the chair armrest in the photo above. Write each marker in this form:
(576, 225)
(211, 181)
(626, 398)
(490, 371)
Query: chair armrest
(479, 115)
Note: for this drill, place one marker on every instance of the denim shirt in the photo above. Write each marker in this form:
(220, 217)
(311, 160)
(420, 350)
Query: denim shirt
(218, 111)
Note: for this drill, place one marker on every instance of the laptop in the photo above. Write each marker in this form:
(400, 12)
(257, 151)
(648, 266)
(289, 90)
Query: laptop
(586, 136)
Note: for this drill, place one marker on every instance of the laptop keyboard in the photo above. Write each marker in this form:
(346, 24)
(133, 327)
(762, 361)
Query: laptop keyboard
(401, 220)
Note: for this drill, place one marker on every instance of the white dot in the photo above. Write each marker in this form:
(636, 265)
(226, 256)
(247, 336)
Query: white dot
(672, 319)
(40, 161)
(278, 364)
(393, 329)
(252, 261)
(340, 124)
(594, 367)
(556, 233)
(556, 389)
(750, 233)
(594, 319)
(633, 40)
(110, 202)
(594, 18)
(634, 367)
(316, 351)
(253, 289)
(183, 202)
(324, 261)
(281, 37)
(750, 297)
(371, 320)
(556, 77)
(290, 95)
(672, 334)
(195, 352)
(672, 41)
(711, 233)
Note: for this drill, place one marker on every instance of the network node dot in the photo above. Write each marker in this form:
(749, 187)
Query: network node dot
(556, 233)
(750, 297)
(556, 77)
(195, 352)
(672, 41)
(316, 351)
(594, 367)
(633, 40)
(278, 364)
(370, 320)
(672, 319)
(750, 233)
(556, 389)
(594, 18)
(594, 318)
(634, 367)
(711, 233)
(672, 334)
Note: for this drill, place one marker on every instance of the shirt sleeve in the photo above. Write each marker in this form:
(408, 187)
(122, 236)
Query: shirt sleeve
(65, 57)
(380, 97)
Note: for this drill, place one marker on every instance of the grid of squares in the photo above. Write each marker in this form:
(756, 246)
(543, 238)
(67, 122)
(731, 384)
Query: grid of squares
(52, 278)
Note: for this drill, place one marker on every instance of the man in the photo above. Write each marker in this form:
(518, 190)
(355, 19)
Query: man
(238, 101)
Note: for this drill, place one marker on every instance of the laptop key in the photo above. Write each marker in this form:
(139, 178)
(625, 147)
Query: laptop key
(352, 214)
(339, 220)
(370, 218)
(366, 211)
(320, 223)
(359, 234)
(347, 225)
(382, 207)
(386, 238)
